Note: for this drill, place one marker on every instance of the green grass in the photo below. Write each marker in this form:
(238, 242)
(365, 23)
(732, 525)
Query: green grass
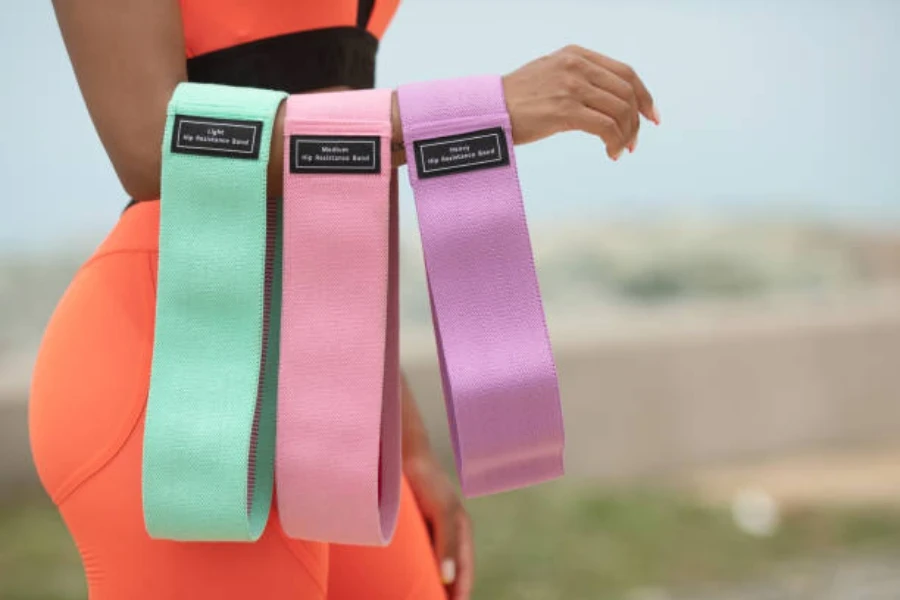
(554, 542)
(37, 559)
(558, 542)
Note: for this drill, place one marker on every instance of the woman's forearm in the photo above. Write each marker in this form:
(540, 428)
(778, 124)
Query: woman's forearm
(415, 436)
(128, 57)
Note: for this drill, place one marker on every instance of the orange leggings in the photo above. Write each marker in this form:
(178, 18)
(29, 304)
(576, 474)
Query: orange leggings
(87, 422)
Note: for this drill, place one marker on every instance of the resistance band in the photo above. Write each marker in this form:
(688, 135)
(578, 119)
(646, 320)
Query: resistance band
(338, 450)
(209, 438)
(499, 377)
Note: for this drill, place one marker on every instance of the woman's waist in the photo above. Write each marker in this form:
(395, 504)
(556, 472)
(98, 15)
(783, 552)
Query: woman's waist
(136, 230)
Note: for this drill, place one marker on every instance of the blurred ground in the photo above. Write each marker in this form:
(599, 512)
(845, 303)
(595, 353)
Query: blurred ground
(627, 544)
(850, 479)
(577, 542)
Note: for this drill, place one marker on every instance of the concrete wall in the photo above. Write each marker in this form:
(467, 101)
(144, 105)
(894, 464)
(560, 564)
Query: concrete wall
(651, 391)
(697, 387)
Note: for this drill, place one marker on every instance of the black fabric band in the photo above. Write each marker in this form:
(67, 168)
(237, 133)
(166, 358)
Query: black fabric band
(294, 63)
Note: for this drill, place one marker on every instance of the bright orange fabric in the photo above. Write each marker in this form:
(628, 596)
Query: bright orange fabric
(88, 398)
(211, 25)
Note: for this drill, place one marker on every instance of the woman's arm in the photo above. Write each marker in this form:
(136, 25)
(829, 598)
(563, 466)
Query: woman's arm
(415, 437)
(129, 56)
(444, 513)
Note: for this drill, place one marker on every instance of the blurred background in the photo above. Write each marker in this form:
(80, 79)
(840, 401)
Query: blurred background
(724, 304)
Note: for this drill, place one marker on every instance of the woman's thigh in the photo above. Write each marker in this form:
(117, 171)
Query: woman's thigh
(89, 393)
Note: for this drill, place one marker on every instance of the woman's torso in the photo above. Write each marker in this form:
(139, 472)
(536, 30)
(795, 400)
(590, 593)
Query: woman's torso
(291, 45)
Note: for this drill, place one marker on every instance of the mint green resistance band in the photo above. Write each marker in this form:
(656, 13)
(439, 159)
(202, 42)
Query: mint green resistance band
(210, 428)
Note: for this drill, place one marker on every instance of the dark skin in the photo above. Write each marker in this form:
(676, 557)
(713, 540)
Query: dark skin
(128, 57)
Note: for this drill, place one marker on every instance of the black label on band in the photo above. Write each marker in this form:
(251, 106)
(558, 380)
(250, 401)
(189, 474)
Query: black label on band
(484, 149)
(335, 154)
(208, 136)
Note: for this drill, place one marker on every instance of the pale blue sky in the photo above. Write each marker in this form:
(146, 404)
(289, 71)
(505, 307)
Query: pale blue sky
(788, 106)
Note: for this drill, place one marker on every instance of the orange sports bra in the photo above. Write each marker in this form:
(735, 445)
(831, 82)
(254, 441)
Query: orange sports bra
(289, 45)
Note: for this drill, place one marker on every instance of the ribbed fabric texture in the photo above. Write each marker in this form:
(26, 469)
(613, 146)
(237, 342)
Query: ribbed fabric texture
(210, 425)
(338, 451)
(499, 376)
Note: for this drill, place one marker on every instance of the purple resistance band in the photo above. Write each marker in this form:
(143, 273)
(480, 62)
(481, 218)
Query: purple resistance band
(499, 377)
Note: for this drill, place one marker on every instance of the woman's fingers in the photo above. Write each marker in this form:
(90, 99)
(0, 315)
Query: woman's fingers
(603, 90)
(644, 99)
(446, 546)
(621, 110)
(466, 559)
(584, 118)
(611, 83)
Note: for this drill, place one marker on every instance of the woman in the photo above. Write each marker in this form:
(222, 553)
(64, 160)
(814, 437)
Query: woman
(91, 379)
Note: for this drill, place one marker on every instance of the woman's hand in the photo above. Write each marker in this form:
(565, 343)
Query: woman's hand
(448, 521)
(441, 507)
(577, 89)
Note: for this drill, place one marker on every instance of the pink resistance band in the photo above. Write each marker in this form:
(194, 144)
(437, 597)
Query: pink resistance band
(499, 377)
(338, 438)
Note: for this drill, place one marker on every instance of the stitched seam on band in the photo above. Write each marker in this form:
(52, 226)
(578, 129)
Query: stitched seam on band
(106, 454)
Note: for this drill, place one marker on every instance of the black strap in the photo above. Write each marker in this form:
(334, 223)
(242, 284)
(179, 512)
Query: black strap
(365, 13)
(294, 62)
